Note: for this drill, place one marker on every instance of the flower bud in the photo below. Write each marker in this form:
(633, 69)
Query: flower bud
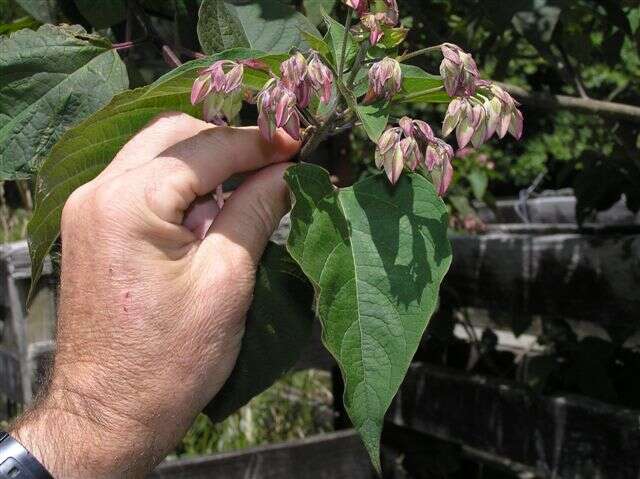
(371, 23)
(510, 118)
(385, 80)
(294, 76)
(389, 154)
(479, 126)
(221, 91)
(320, 77)
(459, 71)
(438, 162)
(417, 129)
(277, 109)
(405, 144)
(411, 152)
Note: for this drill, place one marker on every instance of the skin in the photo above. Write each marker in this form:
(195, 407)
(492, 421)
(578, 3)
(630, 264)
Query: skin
(152, 306)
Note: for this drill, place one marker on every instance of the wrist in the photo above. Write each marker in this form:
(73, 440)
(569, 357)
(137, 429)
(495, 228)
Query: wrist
(74, 436)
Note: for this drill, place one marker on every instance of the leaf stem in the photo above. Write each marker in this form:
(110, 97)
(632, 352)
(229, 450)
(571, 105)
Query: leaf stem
(422, 51)
(343, 54)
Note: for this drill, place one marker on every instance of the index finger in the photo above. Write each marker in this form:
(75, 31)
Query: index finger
(195, 166)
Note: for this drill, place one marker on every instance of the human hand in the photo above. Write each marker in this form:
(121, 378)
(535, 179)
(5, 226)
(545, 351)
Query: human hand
(152, 316)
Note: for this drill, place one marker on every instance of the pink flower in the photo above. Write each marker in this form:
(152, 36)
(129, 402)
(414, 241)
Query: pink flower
(384, 13)
(389, 153)
(385, 80)
(459, 71)
(220, 90)
(277, 109)
(294, 76)
(418, 129)
(438, 162)
(509, 117)
(360, 6)
(320, 77)
(412, 144)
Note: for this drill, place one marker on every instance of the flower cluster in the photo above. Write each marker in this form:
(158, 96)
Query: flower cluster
(479, 109)
(376, 16)
(413, 144)
(220, 88)
(280, 101)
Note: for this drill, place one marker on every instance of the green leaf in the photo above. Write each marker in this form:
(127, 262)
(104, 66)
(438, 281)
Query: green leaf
(50, 79)
(268, 25)
(45, 11)
(416, 84)
(109, 12)
(84, 151)
(376, 254)
(374, 118)
(278, 328)
(18, 24)
(315, 9)
(219, 27)
(479, 181)
(317, 43)
(335, 39)
(415, 79)
(393, 36)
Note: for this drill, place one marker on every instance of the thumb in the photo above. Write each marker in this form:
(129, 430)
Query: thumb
(249, 217)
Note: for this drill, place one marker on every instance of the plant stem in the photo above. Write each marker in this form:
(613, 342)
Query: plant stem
(357, 64)
(422, 51)
(318, 136)
(343, 54)
(306, 116)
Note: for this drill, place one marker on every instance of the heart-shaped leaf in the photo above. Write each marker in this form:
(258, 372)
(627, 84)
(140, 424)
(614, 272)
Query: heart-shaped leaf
(84, 151)
(376, 254)
(50, 79)
(268, 25)
(278, 328)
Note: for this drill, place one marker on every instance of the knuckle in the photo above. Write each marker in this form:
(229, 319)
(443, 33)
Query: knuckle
(74, 205)
(107, 200)
(176, 120)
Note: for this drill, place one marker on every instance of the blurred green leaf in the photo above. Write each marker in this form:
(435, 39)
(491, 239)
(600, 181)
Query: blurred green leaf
(314, 9)
(479, 181)
(45, 11)
(104, 15)
(19, 24)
